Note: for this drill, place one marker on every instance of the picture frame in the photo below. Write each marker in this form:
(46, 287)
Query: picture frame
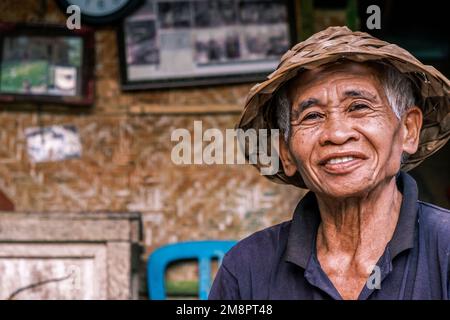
(44, 63)
(185, 43)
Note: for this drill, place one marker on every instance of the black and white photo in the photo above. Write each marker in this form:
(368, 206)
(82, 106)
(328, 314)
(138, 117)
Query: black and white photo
(169, 43)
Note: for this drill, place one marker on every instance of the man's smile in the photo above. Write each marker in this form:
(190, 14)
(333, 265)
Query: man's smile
(342, 162)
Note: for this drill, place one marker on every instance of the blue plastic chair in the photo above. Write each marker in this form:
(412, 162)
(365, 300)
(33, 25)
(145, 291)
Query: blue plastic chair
(204, 251)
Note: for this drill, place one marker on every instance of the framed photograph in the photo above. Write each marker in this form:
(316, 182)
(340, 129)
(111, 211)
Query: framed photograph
(46, 64)
(178, 43)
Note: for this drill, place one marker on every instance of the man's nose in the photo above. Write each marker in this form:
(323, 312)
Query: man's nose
(337, 130)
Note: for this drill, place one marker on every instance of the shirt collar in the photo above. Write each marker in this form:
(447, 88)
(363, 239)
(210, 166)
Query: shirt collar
(403, 237)
(303, 231)
(306, 220)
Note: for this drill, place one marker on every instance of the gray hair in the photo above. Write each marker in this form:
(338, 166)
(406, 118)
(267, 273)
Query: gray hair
(397, 87)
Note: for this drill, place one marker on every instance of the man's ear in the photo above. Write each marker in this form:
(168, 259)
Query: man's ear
(287, 160)
(412, 122)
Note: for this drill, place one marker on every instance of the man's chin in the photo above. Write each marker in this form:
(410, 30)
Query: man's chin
(347, 193)
(346, 187)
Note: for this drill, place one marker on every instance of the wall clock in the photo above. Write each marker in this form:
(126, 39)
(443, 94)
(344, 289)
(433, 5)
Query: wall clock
(100, 12)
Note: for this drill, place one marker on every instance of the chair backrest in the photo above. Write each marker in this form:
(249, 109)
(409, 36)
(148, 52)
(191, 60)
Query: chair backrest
(203, 251)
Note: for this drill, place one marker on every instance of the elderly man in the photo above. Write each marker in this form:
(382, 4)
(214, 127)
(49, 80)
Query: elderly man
(352, 112)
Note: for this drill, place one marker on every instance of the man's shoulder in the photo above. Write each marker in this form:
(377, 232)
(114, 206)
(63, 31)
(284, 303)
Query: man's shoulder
(259, 246)
(435, 221)
(434, 216)
(266, 237)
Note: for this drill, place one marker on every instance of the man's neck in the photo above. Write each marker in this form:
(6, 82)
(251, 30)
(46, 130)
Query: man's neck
(360, 222)
(354, 233)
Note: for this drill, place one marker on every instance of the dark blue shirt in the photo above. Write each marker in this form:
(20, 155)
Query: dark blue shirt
(280, 262)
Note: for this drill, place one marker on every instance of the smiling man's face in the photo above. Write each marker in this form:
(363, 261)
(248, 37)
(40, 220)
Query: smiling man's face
(345, 138)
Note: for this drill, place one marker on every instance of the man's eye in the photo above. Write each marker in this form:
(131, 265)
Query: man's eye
(358, 106)
(312, 116)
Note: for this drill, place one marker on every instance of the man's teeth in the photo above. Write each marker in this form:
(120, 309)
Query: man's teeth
(340, 160)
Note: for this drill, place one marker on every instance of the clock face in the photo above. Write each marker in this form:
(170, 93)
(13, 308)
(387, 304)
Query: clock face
(98, 8)
(98, 12)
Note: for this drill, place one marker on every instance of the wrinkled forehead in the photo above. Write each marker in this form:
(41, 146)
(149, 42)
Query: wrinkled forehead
(360, 73)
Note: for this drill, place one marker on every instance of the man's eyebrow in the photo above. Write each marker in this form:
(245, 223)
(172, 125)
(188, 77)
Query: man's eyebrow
(296, 111)
(307, 103)
(360, 94)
